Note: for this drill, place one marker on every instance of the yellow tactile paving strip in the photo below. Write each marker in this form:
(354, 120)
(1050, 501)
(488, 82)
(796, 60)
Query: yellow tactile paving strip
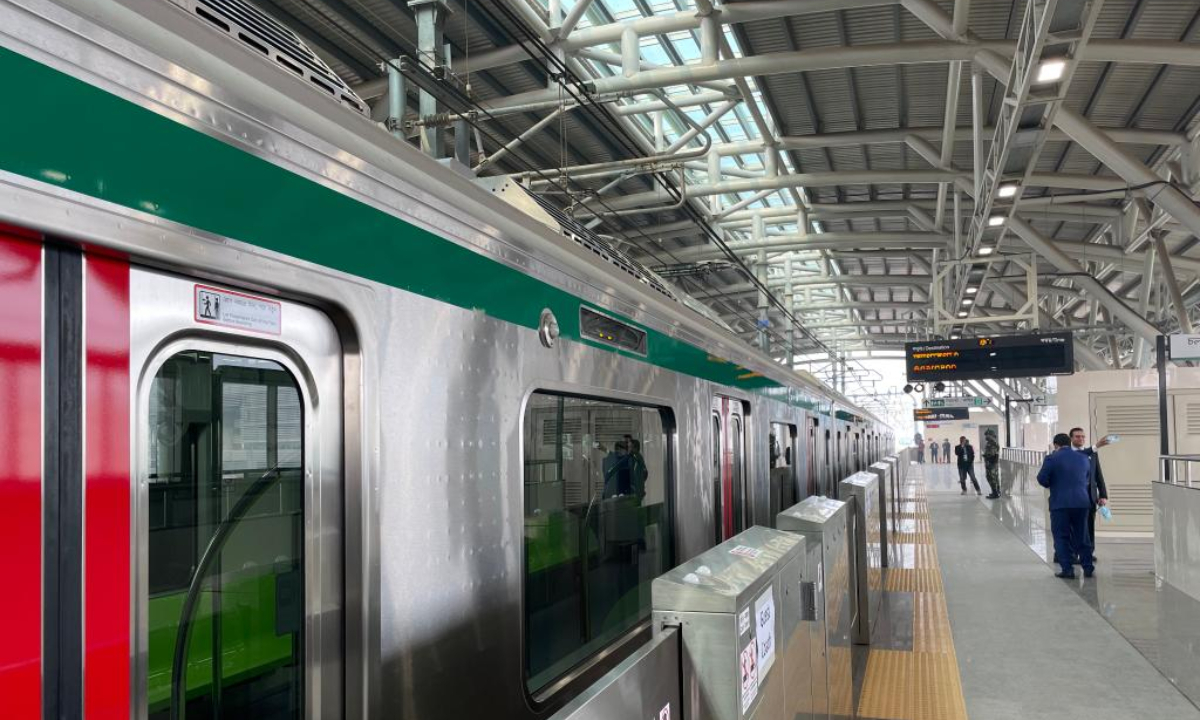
(921, 684)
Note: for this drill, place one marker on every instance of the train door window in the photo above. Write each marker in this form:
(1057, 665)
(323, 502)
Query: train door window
(598, 529)
(830, 488)
(226, 538)
(782, 457)
(717, 486)
(732, 496)
(811, 465)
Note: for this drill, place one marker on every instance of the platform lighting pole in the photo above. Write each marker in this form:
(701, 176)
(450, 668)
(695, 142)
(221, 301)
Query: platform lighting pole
(1164, 446)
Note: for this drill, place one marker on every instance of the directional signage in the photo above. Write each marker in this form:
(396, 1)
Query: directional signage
(967, 402)
(990, 357)
(940, 414)
(1185, 347)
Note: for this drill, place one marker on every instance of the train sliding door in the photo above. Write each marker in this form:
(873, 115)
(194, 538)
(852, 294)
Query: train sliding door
(730, 485)
(237, 504)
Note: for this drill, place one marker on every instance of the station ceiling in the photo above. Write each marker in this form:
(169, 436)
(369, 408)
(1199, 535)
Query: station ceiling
(809, 166)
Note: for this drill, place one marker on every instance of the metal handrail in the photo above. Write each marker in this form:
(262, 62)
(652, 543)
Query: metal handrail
(1023, 456)
(1177, 469)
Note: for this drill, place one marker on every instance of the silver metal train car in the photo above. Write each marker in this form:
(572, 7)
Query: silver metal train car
(300, 423)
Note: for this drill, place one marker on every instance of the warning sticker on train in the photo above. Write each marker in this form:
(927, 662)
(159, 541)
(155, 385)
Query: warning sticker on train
(214, 306)
(749, 665)
(665, 713)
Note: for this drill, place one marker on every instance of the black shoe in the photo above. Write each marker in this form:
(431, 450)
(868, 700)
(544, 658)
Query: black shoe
(1088, 573)
(1065, 575)
(993, 496)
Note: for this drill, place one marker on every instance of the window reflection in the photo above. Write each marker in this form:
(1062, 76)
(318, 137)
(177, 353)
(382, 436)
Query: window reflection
(596, 525)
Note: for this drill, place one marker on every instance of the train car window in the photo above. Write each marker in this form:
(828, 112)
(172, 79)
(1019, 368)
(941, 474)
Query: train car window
(597, 527)
(225, 459)
(782, 446)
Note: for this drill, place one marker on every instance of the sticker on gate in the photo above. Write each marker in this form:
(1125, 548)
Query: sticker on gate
(214, 306)
(749, 665)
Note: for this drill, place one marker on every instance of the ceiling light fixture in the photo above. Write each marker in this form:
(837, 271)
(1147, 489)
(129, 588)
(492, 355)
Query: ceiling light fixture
(1007, 190)
(1051, 70)
(996, 221)
(963, 313)
(972, 290)
(986, 251)
(967, 301)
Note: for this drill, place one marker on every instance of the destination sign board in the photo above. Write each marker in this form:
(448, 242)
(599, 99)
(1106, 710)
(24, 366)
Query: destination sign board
(940, 414)
(990, 357)
(967, 402)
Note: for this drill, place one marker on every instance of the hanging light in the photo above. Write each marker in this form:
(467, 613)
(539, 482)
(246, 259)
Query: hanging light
(1007, 190)
(1051, 70)
(996, 221)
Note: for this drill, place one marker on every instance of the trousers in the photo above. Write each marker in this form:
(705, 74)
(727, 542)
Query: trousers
(963, 472)
(992, 469)
(1070, 529)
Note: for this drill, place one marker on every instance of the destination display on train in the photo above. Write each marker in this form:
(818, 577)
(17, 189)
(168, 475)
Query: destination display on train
(990, 357)
(940, 414)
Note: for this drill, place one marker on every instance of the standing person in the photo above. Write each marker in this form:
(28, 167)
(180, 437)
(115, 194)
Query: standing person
(966, 464)
(933, 451)
(1097, 490)
(920, 443)
(991, 462)
(1065, 473)
(946, 450)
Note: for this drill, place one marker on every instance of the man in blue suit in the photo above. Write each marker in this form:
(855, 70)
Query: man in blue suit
(1066, 473)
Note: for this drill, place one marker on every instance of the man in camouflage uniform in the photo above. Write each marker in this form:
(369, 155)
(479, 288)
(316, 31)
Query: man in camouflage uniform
(991, 462)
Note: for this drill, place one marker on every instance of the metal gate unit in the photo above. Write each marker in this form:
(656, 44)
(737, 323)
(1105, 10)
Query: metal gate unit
(862, 493)
(822, 522)
(739, 609)
(884, 471)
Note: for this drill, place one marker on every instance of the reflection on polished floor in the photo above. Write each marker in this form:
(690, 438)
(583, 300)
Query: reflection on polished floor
(1162, 623)
(1030, 645)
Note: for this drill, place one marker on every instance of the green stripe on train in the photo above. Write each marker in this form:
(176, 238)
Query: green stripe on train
(76, 136)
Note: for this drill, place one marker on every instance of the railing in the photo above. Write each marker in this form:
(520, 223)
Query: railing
(1023, 456)
(1179, 469)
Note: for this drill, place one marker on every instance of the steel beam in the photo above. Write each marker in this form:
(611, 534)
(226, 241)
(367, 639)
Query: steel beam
(1047, 249)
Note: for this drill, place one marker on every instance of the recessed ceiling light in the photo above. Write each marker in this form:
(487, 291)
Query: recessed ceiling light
(1007, 190)
(972, 290)
(996, 221)
(1051, 70)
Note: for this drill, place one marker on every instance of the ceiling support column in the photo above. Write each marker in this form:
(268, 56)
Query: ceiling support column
(431, 20)
(1164, 259)
(1044, 247)
(1131, 170)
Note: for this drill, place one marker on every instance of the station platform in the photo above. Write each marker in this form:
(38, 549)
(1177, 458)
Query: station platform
(976, 625)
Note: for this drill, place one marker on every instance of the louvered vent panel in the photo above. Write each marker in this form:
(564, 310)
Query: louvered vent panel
(1132, 419)
(1132, 500)
(250, 27)
(1193, 418)
(610, 429)
(571, 425)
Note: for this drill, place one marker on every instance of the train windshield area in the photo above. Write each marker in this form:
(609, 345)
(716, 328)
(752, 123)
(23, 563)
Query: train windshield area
(597, 528)
(226, 461)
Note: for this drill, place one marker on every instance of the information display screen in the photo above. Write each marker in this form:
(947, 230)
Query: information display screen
(994, 357)
(939, 414)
